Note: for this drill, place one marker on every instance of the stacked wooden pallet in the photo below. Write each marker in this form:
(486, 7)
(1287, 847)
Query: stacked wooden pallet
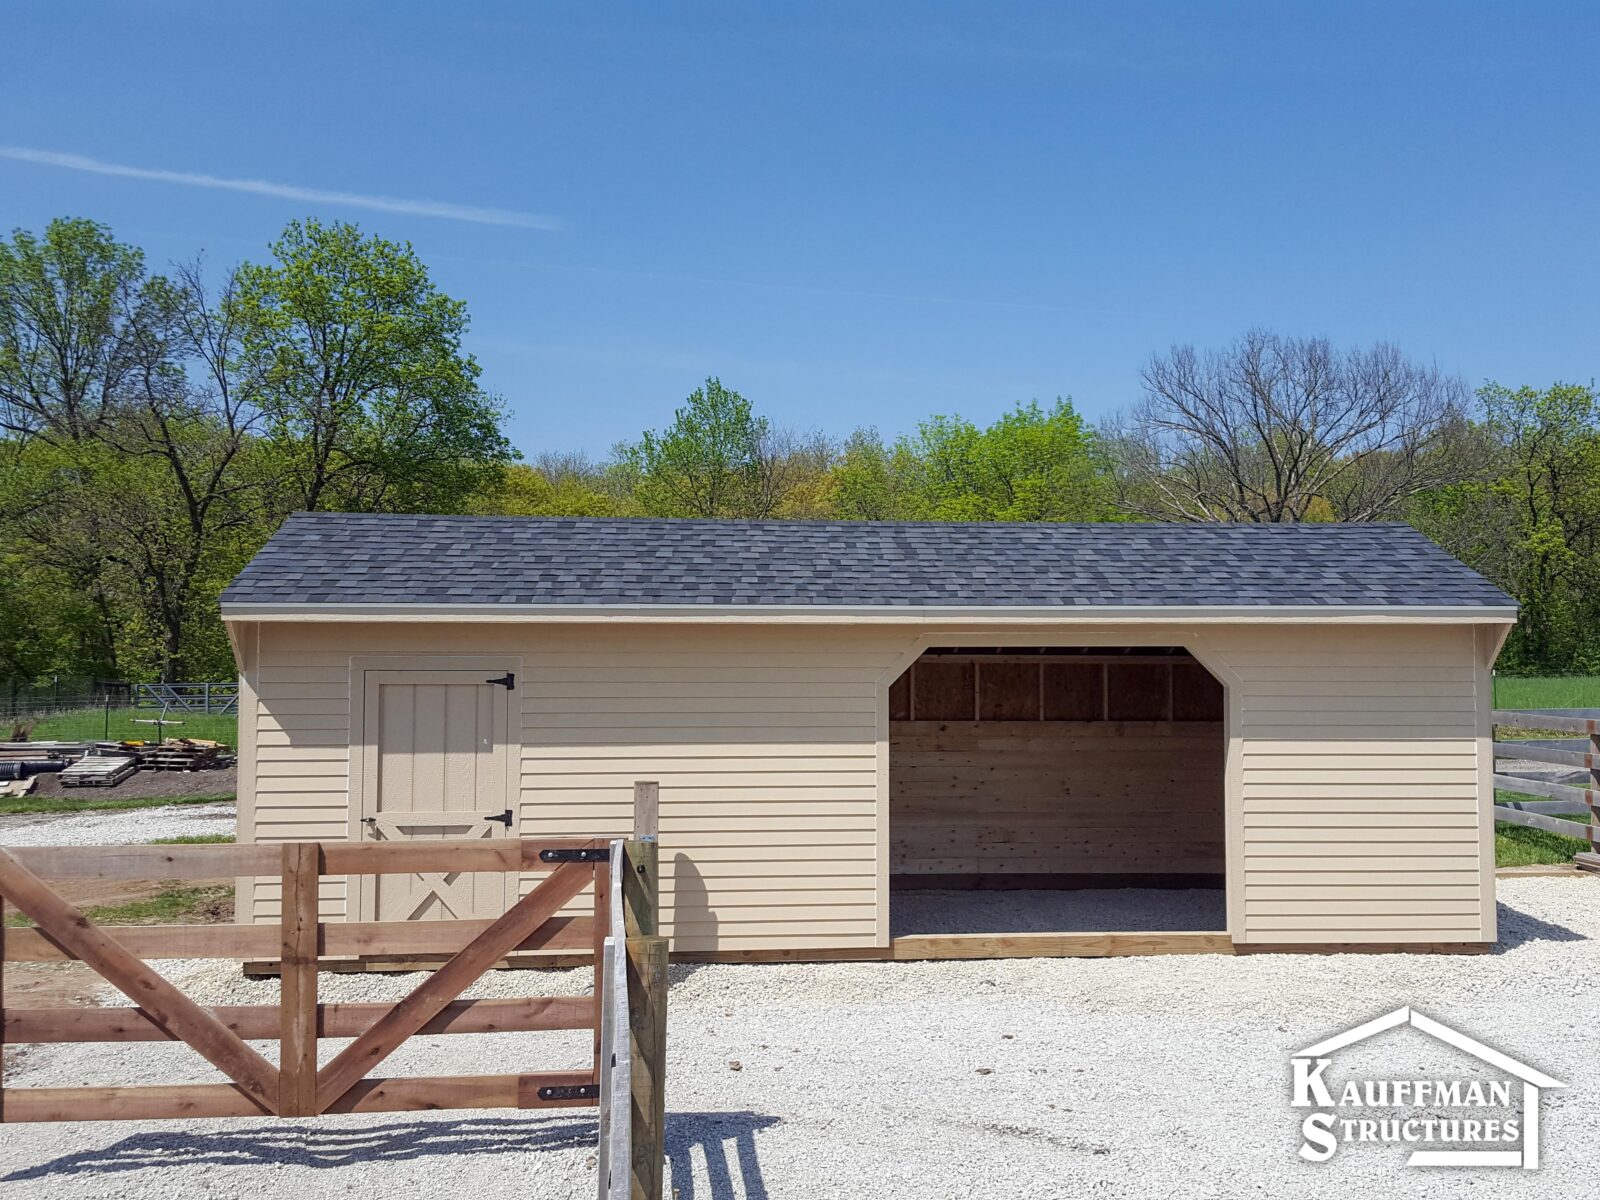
(67, 750)
(180, 754)
(96, 770)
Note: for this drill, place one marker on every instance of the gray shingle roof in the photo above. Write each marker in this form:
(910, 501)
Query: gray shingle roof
(367, 559)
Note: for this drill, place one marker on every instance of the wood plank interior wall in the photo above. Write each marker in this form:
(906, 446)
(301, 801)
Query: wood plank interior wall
(947, 687)
(1001, 767)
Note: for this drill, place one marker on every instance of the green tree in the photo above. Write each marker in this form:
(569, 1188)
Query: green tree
(1032, 464)
(1530, 520)
(73, 323)
(554, 486)
(718, 459)
(370, 402)
(126, 436)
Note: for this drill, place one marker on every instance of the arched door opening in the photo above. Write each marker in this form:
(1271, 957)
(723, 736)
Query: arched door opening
(1048, 789)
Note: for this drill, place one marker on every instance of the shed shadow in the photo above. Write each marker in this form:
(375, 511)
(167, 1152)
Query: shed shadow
(1518, 928)
(725, 1141)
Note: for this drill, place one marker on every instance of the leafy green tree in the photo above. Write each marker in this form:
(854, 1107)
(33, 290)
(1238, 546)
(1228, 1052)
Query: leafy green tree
(554, 486)
(865, 484)
(1530, 521)
(74, 323)
(370, 402)
(1031, 464)
(718, 459)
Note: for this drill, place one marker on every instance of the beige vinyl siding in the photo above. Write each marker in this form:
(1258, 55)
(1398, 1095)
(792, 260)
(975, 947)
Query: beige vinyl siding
(765, 746)
(1356, 785)
(764, 743)
(300, 721)
(1358, 788)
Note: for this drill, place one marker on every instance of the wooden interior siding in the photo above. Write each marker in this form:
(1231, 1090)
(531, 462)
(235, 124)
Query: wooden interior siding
(1008, 798)
(947, 687)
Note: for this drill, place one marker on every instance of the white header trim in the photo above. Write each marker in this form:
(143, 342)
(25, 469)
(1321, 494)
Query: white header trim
(867, 614)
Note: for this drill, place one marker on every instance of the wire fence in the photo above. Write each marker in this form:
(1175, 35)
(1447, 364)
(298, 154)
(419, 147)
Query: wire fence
(62, 694)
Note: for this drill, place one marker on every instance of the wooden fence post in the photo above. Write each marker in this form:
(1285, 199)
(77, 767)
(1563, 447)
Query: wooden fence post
(647, 992)
(646, 809)
(297, 1036)
(647, 1029)
(2, 1008)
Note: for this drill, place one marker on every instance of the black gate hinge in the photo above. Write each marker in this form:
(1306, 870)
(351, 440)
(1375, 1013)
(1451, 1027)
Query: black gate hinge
(507, 681)
(576, 1091)
(595, 854)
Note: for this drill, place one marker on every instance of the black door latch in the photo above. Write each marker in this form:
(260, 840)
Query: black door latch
(504, 818)
(507, 681)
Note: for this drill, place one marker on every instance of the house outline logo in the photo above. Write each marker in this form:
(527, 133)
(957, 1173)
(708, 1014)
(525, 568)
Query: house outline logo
(1309, 1063)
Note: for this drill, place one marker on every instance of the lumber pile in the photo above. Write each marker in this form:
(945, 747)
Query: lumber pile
(95, 770)
(12, 751)
(180, 754)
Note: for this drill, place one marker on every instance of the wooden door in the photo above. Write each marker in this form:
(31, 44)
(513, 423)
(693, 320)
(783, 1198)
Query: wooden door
(436, 764)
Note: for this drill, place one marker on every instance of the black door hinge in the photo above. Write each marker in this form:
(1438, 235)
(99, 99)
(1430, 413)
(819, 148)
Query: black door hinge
(504, 818)
(507, 681)
(597, 854)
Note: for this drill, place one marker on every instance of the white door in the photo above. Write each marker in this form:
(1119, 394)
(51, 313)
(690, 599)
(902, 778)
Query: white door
(436, 764)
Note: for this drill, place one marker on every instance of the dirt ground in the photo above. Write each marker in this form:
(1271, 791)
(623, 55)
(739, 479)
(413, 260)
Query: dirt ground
(73, 985)
(220, 782)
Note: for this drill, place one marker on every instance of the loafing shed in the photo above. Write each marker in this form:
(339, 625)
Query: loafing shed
(880, 739)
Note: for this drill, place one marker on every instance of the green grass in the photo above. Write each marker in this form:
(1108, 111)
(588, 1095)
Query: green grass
(194, 839)
(1520, 846)
(98, 803)
(90, 725)
(1557, 691)
(173, 903)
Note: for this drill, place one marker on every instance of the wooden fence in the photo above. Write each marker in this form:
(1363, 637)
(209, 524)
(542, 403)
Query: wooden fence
(296, 1087)
(1560, 798)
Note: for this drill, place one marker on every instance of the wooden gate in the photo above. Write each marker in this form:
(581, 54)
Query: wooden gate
(296, 1087)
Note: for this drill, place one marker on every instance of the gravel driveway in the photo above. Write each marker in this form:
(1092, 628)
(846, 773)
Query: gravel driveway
(116, 828)
(1134, 1077)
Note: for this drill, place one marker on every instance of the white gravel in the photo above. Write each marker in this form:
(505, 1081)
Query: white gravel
(1135, 1077)
(118, 828)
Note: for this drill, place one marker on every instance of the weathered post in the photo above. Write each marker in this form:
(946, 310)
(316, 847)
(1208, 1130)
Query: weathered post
(647, 993)
(297, 1034)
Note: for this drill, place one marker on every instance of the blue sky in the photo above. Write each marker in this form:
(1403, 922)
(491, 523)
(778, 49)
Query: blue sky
(864, 213)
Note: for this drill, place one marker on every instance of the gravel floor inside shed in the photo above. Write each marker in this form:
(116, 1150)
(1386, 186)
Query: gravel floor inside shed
(1134, 1077)
(1030, 910)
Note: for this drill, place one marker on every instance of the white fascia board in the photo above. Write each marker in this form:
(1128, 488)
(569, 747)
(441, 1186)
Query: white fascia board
(874, 614)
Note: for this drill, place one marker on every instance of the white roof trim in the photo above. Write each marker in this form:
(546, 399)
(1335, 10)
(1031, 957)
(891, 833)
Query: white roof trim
(870, 614)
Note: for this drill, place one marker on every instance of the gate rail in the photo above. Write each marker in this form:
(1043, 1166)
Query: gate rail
(296, 1087)
(188, 697)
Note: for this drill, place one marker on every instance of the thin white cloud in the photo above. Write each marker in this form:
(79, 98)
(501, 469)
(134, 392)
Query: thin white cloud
(287, 191)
